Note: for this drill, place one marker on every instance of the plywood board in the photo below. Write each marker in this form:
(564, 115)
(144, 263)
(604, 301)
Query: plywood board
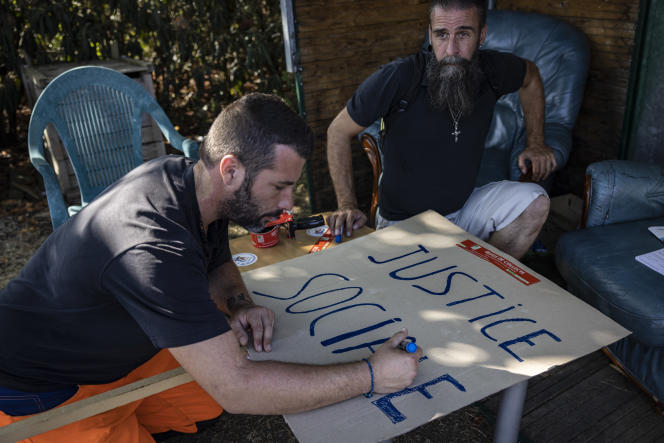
(484, 321)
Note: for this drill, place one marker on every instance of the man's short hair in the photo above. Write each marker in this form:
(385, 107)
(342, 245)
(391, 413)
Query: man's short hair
(481, 5)
(249, 129)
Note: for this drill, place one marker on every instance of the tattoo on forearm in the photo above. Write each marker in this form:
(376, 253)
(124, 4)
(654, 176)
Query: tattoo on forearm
(235, 301)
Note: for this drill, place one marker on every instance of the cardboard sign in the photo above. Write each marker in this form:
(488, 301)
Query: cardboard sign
(484, 321)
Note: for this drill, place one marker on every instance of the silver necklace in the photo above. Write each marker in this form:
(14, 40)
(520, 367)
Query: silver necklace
(455, 120)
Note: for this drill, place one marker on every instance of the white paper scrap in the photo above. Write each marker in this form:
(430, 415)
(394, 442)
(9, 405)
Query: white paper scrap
(654, 260)
(657, 231)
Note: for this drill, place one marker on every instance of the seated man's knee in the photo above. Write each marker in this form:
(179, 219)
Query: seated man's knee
(538, 210)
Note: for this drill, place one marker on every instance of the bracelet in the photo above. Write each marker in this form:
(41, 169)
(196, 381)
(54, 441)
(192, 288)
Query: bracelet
(370, 393)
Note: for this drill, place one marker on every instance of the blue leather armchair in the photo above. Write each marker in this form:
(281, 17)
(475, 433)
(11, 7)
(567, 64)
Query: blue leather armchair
(623, 198)
(562, 55)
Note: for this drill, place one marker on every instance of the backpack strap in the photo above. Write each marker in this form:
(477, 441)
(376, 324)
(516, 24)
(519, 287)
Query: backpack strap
(416, 74)
(489, 70)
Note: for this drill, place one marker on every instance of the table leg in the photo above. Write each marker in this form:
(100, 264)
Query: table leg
(509, 413)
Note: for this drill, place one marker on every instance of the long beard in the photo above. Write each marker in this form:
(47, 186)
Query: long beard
(243, 210)
(454, 82)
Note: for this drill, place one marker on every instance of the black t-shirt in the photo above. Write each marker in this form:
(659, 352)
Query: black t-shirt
(124, 278)
(423, 167)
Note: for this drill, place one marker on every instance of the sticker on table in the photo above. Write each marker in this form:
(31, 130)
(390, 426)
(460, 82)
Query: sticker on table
(317, 231)
(244, 259)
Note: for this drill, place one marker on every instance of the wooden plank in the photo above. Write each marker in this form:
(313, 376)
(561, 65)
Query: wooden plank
(551, 419)
(146, 81)
(592, 402)
(618, 10)
(641, 427)
(42, 75)
(546, 387)
(313, 16)
(29, 84)
(153, 150)
(341, 44)
(609, 385)
(94, 405)
(152, 139)
(326, 104)
(331, 74)
(615, 422)
(57, 155)
(656, 433)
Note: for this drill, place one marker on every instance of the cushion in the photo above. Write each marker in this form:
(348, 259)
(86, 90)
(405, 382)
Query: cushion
(599, 266)
(624, 191)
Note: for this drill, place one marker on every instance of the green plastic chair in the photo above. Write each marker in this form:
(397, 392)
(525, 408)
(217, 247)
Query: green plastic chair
(97, 113)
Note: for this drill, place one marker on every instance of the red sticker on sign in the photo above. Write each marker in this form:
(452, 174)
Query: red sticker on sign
(501, 262)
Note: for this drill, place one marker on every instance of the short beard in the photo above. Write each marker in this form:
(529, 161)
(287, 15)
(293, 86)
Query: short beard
(243, 210)
(454, 82)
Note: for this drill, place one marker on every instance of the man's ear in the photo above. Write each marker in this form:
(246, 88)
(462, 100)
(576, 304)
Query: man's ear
(231, 170)
(483, 34)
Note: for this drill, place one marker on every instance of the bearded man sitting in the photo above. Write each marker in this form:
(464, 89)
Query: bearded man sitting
(432, 146)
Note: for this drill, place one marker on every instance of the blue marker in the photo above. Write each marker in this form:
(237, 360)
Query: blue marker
(341, 233)
(408, 346)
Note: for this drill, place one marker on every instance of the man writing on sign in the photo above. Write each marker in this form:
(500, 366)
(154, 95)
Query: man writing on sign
(138, 282)
(432, 148)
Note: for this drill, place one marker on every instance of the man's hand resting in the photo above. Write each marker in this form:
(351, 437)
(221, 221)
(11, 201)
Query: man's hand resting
(346, 220)
(393, 368)
(541, 158)
(254, 320)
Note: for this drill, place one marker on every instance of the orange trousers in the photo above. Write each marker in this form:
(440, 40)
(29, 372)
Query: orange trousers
(176, 409)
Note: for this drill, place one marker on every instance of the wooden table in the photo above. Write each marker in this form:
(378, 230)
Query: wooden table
(284, 250)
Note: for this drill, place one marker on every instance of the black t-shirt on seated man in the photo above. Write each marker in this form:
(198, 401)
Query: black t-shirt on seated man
(124, 278)
(423, 167)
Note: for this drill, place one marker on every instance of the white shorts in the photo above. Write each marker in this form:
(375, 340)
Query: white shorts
(489, 208)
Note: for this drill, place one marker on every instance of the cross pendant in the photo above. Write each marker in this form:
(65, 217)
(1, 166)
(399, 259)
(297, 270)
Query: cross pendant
(456, 132)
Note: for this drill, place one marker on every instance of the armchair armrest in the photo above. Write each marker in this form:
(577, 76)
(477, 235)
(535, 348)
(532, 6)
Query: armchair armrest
(369, 139)
(187, 146)
(56, 203)
(620, 191)
(556, 135)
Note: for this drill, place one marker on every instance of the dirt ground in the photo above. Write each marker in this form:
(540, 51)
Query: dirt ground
(25, 224)
(24, 219)
(472, 424)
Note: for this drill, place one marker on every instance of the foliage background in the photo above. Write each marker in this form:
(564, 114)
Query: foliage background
(205, 53)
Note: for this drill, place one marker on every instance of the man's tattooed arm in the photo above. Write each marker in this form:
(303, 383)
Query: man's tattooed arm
(234, 302)
(227, 289)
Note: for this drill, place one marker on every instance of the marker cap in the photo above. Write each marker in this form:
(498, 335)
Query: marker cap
(408, 346)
